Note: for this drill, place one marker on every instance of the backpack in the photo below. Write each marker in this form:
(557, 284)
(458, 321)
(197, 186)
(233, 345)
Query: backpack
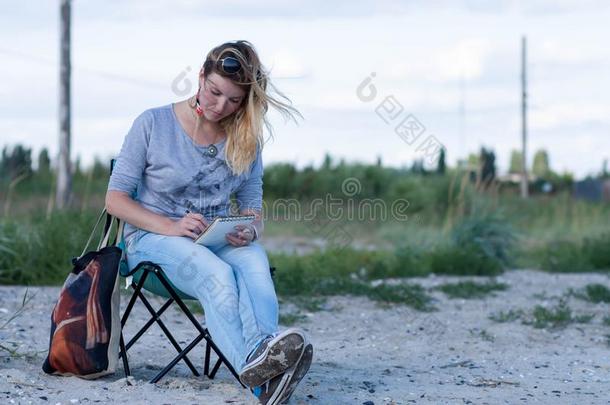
(85, 322)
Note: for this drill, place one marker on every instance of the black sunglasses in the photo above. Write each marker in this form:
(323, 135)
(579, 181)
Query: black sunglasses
(229, 65)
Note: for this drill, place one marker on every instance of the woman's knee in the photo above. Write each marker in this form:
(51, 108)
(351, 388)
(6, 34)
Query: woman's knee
(185, 262)
(213, 282)
(252, 258)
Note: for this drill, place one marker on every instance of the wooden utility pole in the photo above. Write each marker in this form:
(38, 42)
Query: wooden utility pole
(64, 171)
(524, 182)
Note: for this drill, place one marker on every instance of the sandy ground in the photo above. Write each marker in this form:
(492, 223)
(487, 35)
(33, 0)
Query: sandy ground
(366, 353)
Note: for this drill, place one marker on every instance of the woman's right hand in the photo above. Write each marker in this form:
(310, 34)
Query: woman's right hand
(191, 225)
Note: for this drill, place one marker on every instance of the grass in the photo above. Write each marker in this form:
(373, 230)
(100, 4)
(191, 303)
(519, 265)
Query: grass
(349, 271)
(194, 306)
(410, 295)
(27, 297)
(471, 289)
(555, 317)
(292, 318)
(597, 293)
(540, 317)
(483, 334)
(489, 234)
(597, 251)
(456, 261)
(507, 316)
(452, 229)
(303, 304)
(41, 252)
(309, 304)
(561, 255)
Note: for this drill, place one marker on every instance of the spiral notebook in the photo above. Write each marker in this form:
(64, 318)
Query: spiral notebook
(214, 235)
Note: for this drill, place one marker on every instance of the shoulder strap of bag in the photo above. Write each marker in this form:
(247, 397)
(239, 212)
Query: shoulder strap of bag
(99, 219)
(107, 233)
(118, 238)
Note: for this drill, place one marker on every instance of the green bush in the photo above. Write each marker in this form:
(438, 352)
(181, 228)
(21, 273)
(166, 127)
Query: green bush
(563, 256)
(597, 293)
(40, 252)
(597, 250)
(488, 235)
(462, 261)
(471, 289)
(568, 256)
(345, 271)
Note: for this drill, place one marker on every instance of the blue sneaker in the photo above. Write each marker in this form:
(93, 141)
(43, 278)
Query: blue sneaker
(272, 392)
(297, 372)
(272, 357)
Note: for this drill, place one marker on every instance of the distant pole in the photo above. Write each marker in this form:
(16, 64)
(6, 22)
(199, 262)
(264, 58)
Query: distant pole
(524, 182)
(64, 172)
(462, 119)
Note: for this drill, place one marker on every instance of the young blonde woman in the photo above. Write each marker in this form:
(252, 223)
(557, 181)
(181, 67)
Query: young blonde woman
(177, 169)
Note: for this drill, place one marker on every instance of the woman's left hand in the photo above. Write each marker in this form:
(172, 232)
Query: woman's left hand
(242, 236)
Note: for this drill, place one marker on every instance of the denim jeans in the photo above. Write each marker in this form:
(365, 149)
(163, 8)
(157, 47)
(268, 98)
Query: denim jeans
(233, 284)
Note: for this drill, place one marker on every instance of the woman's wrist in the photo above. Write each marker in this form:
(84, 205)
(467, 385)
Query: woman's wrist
(254, 232)
(167, 226)
(251, 229)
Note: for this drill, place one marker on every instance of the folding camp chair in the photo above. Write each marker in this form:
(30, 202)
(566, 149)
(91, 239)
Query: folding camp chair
(149, 276)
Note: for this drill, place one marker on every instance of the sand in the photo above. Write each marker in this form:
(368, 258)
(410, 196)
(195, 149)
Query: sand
(366, 353)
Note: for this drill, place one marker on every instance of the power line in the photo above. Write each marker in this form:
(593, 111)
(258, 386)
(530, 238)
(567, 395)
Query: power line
(96, 72)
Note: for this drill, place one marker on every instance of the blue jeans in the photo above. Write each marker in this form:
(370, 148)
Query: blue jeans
(233, 284)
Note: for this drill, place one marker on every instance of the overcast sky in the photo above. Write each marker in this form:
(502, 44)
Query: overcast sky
(454, 65)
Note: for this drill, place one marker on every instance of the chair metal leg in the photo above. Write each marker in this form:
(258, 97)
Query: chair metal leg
(170, 337)
(123, 354)
(206, 334)
(206, 363)
(221, 358)
(215, 369)
(156, 317)
(150, 322)
(137, 288)
(180, 356)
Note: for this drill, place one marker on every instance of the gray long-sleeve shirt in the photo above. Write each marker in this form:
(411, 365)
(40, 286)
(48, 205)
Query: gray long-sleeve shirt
(166, 172)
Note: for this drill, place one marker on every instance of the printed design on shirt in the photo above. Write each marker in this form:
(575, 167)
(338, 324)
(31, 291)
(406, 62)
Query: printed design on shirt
(207, 191)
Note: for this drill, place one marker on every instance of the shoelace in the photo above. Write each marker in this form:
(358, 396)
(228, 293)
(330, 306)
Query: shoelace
(267, 339)
(258, 391)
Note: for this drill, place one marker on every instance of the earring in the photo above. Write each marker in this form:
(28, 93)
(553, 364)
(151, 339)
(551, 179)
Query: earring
(198, 108)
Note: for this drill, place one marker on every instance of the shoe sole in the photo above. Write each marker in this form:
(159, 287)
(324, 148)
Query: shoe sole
(282, 353)
(278, 395)
(300, 369)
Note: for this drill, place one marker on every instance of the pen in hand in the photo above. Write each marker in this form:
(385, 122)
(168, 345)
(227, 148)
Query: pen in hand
(199, 228)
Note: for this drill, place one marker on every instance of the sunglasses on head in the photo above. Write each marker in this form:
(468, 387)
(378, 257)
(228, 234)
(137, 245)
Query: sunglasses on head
(229, 65)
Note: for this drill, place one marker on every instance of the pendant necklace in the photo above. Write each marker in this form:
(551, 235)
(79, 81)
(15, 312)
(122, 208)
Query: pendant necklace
(210, 150)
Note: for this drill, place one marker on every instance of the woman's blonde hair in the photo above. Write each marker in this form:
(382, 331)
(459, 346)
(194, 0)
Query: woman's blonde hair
(244, 128)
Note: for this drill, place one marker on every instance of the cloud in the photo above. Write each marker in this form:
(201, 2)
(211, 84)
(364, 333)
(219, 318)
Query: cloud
(570, 52)
(287, 64)
(431, 55)
(466, 59)
(563, 114)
